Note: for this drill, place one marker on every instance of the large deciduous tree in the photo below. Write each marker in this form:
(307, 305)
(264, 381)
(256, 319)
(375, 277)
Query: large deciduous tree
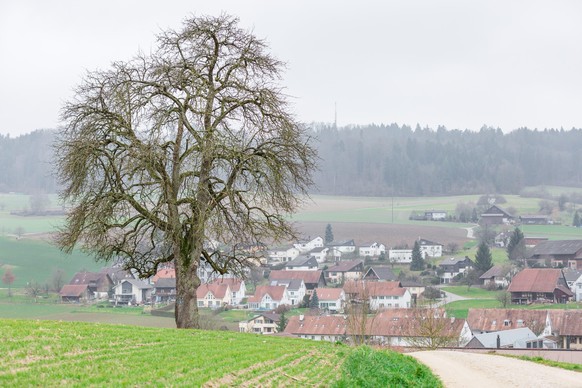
(168, 152)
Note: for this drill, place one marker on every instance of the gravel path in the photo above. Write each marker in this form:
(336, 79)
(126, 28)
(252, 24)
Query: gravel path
(458, 369)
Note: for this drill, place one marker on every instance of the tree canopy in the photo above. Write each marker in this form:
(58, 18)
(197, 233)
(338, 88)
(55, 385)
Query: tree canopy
(417, 263)
(183, 156)
(483, 258)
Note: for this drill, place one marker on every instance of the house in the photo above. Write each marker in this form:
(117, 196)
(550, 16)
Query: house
(75, 293)
(319, 254)
(165, 273)
(539, 285)
(265, 323)
(312, 279)
(418, 328)
(117, 274)
(435, 215)
(400, 256)
(302, 263)
(331, 299)
(132, 291)
(164, 290)
(295, 290)
(567, 326)
(380, 274)
(534, 219)
(451, 267)
(520, 338)
(532, 241)
(99, 284)
(495, 216)
(497, 275)
(557, 253)
(283, 254)
(214, 295)
(372, 249)
(430, 248)
(268, 297)
(415, 288)
(345, 270)
(307, 245)
(379, 295)
(574, 281)
(338, 249)
(330, 328)
(237, 288)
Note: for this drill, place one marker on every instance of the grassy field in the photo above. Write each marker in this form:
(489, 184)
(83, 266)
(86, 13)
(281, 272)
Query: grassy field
(44, 353)
(473, 292)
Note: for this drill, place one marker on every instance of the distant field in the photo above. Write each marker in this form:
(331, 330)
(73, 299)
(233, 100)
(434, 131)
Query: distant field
(44, 353)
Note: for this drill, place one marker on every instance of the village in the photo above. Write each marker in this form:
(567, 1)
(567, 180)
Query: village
(359, 293)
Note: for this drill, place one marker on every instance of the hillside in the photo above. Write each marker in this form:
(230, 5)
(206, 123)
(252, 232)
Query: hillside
(50, 353)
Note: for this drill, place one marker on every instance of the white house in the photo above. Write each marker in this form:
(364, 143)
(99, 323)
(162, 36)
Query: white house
(265, 323)
(237, 287)
(348, 246)
(284, 254)
(302, 263)
(400, 256)
(330, 328)
(319, 254)
(214, 295)
(380, 295)
(305, 246)
(331, 299)
(132, 291)
(430, 249)
(372, 249)
(268, 297)
(295, 290)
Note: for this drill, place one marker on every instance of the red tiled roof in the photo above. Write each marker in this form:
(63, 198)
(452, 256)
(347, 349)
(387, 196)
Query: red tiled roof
(566, 322)
(535, 280)
(316, 325)
(328, 293)
(73, 290)
(218, 290)
(372, 288)
(346, 266)
(504, 319)
(164, 273)
(275, 292)
(411, 326)
(234, 283)
(311, 277)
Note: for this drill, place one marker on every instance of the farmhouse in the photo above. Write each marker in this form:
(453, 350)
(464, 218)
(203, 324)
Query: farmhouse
(497, 275)
(558, 253)
(75, 293)
(451, 267)
(345, 270)
(495, 216)
(534, 219)
(539, 285)
(98, 283)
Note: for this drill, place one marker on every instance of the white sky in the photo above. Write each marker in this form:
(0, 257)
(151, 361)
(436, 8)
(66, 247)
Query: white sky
(461, 64)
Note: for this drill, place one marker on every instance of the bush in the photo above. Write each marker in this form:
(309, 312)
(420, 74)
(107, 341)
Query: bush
(366, 367)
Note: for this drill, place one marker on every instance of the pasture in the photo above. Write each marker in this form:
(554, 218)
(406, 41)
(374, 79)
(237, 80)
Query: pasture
(45, 353)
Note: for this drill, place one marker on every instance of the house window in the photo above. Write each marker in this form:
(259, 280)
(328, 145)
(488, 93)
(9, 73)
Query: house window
(200, 303)
(520, 323)
(506, 322)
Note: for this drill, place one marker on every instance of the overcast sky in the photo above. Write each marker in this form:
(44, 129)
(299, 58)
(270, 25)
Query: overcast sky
(461, 64)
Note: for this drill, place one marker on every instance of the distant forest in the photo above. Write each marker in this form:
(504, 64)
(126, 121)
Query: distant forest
(378, 160)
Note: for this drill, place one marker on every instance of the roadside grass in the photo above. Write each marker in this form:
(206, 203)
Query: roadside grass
(365, 367)
(473, 292)
(543, 361)
(47, 353)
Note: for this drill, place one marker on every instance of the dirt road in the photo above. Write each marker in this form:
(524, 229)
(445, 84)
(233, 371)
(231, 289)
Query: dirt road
(458, 369)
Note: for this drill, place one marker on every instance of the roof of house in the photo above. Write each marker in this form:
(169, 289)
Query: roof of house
(423, 241)
(272, 316)
(566, 322)
(164, 273)
(538, 280)
(275, 292)
(534, 216)
(308, 277)
(372, 289)
(292, 284)
(369, 244)
(571, 275)
(381, 273)
(117, 273)
(495, 211)
(316, 325)
(506, 337)
(218, 290)
(455, 260)
(138, 283)
(302, 261)
(165, 283)
(324, 293)
(411, 326)
(347, 243)
(319, 249)
(495, 271)
(346, 266)
(235, 284)
(505, 319)
(88, 277)
(557, 247)
(73, 290)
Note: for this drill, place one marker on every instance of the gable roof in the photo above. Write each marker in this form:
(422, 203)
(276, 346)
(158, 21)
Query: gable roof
(218, 290)
(73, 290)
(495, 211)
(495, 271)
(117, 274)
(571, 275)
(372, 289)
(324, 293)
(308, 277)
(348, 243)
(164, 273)
(455, 260)
(566, 322)
(272, 316)
(409, 325)
(275, 292)
(538, 280)
(557, 247)
(505, 319)
(138, 283)
(302, 261)
(381, 273)
(165, 283)
(346, 266)
(316, 325)
(90, 277)
(425, 242)
(506, 337)
(234, 283)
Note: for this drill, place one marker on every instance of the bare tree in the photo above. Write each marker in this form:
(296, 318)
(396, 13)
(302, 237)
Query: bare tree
(504, 298)
(428, 327)
(8, 278)
(34, 289)
(193, 143)
(358, 311)
(58, 280)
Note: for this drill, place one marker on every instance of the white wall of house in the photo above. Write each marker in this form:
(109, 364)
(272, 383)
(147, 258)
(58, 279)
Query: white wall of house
(334, 306)
(431, 250)
(284, 255)
(378, 302)
(402, 256)
(259, 325)
(295, 297)
(306, 246)
(238, 296)
(373, 250)
(320, 256)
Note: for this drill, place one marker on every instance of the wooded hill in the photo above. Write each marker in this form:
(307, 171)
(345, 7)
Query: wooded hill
(378, 160)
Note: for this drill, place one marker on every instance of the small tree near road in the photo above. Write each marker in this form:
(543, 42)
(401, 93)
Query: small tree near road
(8, 279)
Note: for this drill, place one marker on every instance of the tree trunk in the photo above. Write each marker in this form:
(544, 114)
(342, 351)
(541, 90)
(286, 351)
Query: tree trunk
(187, 282)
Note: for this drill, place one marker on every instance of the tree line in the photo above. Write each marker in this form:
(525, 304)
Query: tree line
(377, 160)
